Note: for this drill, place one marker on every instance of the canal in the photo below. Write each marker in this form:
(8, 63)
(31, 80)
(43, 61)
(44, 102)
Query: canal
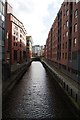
(35, 96)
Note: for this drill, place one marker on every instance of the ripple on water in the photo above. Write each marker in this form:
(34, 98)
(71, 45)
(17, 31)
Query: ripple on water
(35, 96)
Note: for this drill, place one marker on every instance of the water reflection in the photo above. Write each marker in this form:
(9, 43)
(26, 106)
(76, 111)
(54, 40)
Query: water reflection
(35, 96)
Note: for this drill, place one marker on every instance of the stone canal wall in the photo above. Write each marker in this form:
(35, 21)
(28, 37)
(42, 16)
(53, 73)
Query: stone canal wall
(8, 84)
(69, 96)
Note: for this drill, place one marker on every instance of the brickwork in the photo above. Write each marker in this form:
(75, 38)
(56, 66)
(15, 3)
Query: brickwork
(63, 42)
(16, 38)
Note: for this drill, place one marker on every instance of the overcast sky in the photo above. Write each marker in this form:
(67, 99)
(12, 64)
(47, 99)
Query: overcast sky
(37, 16)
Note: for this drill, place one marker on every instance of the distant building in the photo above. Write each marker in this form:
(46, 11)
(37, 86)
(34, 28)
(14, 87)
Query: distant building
(37, 50)
(29, 47)
(15, 43)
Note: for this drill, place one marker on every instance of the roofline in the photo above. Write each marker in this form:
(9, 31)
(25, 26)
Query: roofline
(14, 17)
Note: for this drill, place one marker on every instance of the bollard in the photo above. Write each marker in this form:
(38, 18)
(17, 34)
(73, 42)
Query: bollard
(67, 87)
(76, 97)
(61, 82)
(64, 84)
(71, 92)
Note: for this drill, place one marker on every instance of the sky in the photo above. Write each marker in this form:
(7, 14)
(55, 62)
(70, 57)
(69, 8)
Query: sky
(37, 17)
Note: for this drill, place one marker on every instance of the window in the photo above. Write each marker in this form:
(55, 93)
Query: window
(64, 26)
(14, 38)
(14, 43)
(75, 28)
(20, 55)
(0, 49)
(77, 1)
(0, 55)
(66, 45)
(3, 36)
(0, 23)
(16, 27)
(24, 54)
(65, 55)
(64, 7)
(66, 34)
(76, 14)
(20, 35)
(0, 6)
(63, 36)
(3, 1)
(0, 33)
(63, 45)
(20, 30)
(15, 55)
(3, 9)
(68, 69)
(3, 18)
(3, 25)
(67, 12)
(67, 3)
(74, 55)
(67, 23)
(27, 44)
(74, 42)
(17, 34)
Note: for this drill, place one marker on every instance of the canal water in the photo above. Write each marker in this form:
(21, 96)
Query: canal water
(35, 96)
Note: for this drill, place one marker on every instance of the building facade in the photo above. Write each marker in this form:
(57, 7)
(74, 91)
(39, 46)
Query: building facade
(2, 37)
(29, 47)
(55, 40)
(63, 42)
(2, 28)
(15, 43)
(37, 50)
(2, 41)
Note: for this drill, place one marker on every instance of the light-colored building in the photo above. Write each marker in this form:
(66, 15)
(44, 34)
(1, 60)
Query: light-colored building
(37, 50)
(29, 47)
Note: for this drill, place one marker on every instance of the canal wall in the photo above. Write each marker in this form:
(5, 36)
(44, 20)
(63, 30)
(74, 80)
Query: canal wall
(8, 84)
(68, 95)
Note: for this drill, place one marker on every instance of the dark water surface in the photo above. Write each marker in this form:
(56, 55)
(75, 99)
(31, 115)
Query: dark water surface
(35, 96)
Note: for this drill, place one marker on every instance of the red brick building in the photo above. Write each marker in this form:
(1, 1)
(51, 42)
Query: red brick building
(63, 42)
(54, 40)
(16, 38)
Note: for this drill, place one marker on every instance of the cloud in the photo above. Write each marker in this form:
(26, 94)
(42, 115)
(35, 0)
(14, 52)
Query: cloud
(37, 16)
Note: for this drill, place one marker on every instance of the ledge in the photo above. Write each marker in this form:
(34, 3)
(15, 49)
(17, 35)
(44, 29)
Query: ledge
(11, 81)
(71, 99)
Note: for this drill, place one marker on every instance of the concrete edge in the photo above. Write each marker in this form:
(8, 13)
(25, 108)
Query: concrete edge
(10, 86)
(69, 100)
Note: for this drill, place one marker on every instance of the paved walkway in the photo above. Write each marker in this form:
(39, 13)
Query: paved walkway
(68, 81)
